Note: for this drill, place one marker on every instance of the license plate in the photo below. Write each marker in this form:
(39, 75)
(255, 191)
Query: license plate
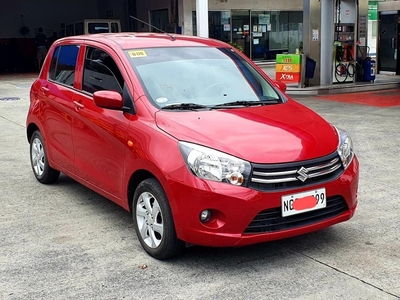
(303, 202)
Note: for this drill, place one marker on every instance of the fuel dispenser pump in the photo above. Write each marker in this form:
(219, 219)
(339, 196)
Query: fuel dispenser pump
(344, 63)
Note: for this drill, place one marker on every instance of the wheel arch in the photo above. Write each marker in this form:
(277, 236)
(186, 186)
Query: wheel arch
(136, 178)
(32, 127)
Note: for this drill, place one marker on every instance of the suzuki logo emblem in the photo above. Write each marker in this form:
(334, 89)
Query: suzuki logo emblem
(303, 174)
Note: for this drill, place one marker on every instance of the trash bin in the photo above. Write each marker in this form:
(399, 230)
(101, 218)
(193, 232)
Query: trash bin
(369, 70)
(310, 67)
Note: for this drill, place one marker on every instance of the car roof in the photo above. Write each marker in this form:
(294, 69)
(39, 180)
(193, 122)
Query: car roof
(131, 40)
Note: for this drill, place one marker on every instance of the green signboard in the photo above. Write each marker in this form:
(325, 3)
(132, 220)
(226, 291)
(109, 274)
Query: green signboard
(373, 10)
(288, 59)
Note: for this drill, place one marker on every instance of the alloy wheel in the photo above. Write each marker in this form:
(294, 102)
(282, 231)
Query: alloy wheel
(149, 220)
(38, 157)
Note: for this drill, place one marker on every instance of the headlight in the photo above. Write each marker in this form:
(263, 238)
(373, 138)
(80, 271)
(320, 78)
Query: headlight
(345, 147)
(214, 165)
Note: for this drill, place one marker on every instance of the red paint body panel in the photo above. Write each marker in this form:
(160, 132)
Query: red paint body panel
(103, 148)
(269, 134)
(53, 109)
(241, 205)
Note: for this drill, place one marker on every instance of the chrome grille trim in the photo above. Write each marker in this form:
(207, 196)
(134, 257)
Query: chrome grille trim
(274, 180)
(333, 169)
(296, 174)
(331, 163)
(274, 173)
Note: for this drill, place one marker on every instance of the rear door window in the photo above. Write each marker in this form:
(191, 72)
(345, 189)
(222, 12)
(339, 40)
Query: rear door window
(63, 63)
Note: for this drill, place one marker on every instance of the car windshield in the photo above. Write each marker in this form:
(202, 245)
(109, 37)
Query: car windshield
(202, 76)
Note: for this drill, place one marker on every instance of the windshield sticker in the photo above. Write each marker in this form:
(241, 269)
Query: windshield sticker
(137, 53)
(161, 100)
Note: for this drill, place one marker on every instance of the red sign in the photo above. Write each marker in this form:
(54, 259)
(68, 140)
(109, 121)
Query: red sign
(288, 77)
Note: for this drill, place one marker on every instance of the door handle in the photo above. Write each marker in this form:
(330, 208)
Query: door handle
(44, 90)
(78, 105)
(393, 43)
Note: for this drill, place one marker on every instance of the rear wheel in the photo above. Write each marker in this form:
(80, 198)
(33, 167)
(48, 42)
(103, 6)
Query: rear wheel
(153, 221)
(39, 162)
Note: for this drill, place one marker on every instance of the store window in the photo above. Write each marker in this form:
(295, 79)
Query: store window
(219, 24)
(260, 34)
(241, 30)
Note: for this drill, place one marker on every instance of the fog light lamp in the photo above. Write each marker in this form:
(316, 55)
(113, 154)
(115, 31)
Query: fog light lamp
(205, 216)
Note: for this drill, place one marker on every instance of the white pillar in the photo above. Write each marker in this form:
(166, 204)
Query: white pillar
(327, 32)
(202, 17)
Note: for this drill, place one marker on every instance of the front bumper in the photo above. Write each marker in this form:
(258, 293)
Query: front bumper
(234, 208)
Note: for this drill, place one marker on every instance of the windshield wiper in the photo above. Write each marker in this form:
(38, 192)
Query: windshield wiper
(186, 106)
(244, 103)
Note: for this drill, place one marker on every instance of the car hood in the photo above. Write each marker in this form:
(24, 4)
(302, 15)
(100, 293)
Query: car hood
(278, 133)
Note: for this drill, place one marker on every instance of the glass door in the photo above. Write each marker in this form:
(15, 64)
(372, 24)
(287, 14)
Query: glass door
(388, 41)
(241, 31)
(219, 23)
(260, 28)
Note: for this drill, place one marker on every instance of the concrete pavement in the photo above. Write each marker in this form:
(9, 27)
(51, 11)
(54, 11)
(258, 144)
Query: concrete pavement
(63, 241)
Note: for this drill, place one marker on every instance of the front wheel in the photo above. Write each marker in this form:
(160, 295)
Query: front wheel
(39, 162)
(153, 221)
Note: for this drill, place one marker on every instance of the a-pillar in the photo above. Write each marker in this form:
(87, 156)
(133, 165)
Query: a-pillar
(202, 17)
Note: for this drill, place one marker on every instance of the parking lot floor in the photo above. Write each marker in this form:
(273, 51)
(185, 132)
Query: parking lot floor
(382, 98)
(63, 241)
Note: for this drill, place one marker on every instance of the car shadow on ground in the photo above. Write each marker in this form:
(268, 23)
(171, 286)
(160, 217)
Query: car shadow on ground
(223, 259)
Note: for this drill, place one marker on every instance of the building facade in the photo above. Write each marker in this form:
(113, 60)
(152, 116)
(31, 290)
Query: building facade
(261, 28)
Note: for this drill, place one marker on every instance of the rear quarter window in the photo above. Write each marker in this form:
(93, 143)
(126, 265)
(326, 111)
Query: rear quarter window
(63, 63)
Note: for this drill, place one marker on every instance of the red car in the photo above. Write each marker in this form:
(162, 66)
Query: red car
(191, 137)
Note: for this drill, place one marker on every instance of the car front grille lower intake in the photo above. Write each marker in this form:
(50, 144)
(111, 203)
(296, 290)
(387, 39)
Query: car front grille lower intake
(271, 177)
(271, 220)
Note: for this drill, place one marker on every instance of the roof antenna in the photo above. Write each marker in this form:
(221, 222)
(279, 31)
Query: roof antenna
(170, 35)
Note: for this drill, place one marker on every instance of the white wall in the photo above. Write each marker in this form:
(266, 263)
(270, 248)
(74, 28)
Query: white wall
(48, 14)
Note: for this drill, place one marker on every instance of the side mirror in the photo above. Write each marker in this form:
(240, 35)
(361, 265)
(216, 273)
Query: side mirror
(108, 99)
(281, 85)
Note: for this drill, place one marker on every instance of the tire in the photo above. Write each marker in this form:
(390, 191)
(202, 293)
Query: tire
(39, 162)
(153, 221)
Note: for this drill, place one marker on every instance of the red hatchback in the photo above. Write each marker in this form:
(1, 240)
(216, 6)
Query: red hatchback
(191, 137)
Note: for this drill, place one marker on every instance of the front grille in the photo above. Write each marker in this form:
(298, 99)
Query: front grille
(271, 220)
(270, 177)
